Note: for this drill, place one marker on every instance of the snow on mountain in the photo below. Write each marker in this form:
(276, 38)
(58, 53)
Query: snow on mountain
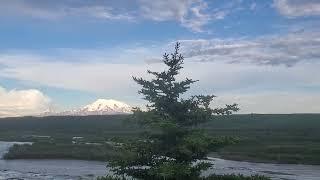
(99, 107)
(110, 105)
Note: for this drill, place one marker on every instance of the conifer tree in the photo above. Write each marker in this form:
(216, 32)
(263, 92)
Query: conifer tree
(172, 145)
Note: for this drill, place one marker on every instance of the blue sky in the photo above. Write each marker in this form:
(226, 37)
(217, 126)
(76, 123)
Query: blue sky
(64, 54)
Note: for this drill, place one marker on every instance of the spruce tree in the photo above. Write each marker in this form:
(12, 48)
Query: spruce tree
(172, 145)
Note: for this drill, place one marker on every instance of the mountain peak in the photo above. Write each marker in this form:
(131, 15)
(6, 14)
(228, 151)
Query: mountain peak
(109, 105)
(98, 107)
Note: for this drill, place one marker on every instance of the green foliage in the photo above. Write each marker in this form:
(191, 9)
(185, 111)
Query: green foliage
(61, 151)
(277, 138)
(172, 144)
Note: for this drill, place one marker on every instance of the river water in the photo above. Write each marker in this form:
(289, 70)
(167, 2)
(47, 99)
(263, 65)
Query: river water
(77, 169)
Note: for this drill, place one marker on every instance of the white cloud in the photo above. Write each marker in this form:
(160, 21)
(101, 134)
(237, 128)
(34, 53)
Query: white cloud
(273, 102)
(165, 10)
(224, 68)
(95, 76)
(102, 12)
(98, 76)
(190, 13)
(269, 50)
(219, 78)
(63, 9)
(298, 8)
(22, 102)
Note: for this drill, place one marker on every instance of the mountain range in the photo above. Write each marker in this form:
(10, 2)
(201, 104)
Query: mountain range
(99, 107)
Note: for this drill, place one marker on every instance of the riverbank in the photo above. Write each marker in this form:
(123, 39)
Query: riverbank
(249, 151)
(61, 151)
(46, 169)
(105, 152)
(291, 138)
(272, 152)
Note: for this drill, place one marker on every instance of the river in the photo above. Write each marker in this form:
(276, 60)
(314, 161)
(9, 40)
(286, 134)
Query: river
(77, 169)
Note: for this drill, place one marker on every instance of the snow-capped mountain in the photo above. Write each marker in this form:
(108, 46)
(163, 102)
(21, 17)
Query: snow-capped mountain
(99, 107)
(110, 105)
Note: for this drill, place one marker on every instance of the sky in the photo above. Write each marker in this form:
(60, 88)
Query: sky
(64, 54)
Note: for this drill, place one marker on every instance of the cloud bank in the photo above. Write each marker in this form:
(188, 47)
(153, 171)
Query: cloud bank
(273, 102)
(22, 102)
(286, 50)
(192, 14)
(285, 65)
(298, 8)
(63, 9)
(243, 83)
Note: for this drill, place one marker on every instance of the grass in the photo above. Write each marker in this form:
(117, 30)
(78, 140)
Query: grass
(61, 151)
(291, 138)
(292, 153)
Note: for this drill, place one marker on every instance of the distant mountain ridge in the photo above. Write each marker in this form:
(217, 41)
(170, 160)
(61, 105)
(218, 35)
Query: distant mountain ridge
(99, 107)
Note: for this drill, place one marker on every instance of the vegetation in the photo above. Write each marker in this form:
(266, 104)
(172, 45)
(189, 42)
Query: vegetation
(290, 138)
(63, 128)
(173, 144)
(61, 151)
(280, 138)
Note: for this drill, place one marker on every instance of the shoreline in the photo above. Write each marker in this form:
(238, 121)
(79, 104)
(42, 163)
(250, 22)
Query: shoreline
(38, 151)
(221, 166)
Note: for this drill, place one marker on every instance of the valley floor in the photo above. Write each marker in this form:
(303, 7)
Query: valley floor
(290, 138)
